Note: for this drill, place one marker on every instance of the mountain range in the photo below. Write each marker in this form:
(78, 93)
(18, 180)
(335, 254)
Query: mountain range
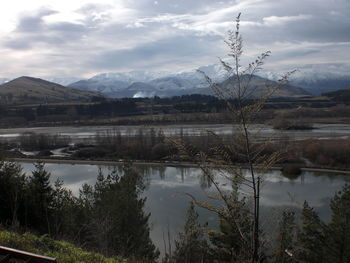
(164, 84)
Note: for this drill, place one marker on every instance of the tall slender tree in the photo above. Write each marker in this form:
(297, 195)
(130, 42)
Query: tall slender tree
(219, 164)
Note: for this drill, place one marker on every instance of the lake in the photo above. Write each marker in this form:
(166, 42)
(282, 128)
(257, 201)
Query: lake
(167, 201)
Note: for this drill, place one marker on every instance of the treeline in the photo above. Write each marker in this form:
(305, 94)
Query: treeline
(107, 217)
(186, 108)
(304, 238)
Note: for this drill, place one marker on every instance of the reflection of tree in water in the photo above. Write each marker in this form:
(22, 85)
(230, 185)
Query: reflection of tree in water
(161, 171)
(112, 169)
(183, 172)
(146, 173)
(204, 181)
(291, 177)
(144, 170)
(333, 176)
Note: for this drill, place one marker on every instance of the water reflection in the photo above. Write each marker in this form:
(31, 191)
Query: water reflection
(167, 201)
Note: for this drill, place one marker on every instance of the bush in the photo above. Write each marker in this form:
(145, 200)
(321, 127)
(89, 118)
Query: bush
(291, 169)
(91, 152)
(283, 124)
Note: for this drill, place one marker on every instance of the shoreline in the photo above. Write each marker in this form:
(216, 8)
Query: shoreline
(153, 163)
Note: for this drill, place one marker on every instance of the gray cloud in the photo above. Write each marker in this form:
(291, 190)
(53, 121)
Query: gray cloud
(33, 23)
(169, 34)
(177, 6)
(32, 30)
(162, 53)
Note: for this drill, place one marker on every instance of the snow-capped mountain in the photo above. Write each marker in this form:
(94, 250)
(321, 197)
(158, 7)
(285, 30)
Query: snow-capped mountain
(163, 84)
(318, 78)
(121, 84)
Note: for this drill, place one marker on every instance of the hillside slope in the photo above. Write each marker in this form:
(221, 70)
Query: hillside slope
(25, 90)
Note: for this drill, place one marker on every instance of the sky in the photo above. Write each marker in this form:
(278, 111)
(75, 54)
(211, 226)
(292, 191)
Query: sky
(81, 38)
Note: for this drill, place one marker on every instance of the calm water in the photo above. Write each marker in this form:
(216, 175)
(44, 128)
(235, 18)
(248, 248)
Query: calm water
(167, 202)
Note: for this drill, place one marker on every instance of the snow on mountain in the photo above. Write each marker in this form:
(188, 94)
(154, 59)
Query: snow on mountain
(216, 72)
(62, 81)
(130, 77)
(4, 80)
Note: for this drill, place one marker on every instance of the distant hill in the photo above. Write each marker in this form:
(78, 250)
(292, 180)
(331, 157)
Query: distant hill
(323, 84)
(342, 95)
(259, 86)
(25, 90)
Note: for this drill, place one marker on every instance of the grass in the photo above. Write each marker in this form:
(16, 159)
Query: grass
(63, 251)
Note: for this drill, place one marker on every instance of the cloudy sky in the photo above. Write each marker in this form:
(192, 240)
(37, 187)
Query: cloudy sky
(81, 38)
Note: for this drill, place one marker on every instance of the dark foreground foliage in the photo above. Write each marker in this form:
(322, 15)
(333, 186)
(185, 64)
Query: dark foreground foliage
(304, 238)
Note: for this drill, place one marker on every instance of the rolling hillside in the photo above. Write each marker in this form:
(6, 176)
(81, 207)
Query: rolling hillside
(26, 90)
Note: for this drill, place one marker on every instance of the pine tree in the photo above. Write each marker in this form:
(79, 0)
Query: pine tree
(286, 238)
(338, 230)
(12, 189)
(231, 242)
(39, 199)
(311, 238)
(192, 245)
(64, 212)
(119, 219)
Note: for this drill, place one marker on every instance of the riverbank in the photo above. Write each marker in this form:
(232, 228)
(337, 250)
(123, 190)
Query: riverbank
(153, 163)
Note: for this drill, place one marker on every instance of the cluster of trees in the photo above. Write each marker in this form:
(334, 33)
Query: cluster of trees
(107, 218)
(35, 142)
(146, 144)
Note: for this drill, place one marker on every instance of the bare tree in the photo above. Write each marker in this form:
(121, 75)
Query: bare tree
(245, 149)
